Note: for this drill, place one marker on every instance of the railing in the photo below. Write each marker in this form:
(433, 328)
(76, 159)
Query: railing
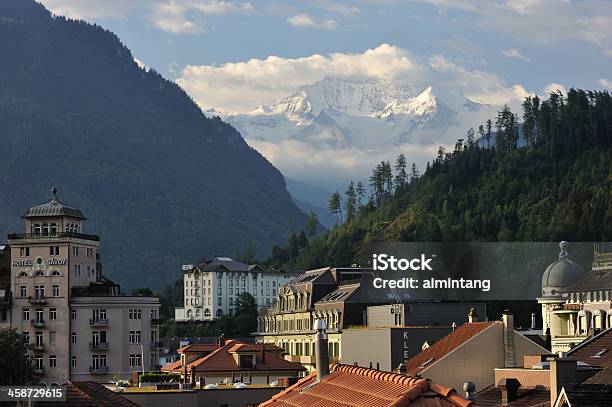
(98, 369)
(38, 347)
(59, 235)
(98, 345)
(155, 345)
(39, 299)
(38, 323)
(98, 322)
(39, 371)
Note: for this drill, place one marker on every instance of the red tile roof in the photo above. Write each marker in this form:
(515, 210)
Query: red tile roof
(357, 386)
(588, 350)
(446, 345)
(526, 397)
(222, 360)
(85, 394)
(198, 347)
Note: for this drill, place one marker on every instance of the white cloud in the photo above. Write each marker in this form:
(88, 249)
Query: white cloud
(554, 88)
(606, 83)
(172, 17)
(341, 8)
(241, 86)
(305, 21)
(515, 53)
(523, 7)
(222, 7)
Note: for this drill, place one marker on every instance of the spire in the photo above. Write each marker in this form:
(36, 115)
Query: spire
(54, 191)
(563, 253)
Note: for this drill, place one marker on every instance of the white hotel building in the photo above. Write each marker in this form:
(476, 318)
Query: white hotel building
(212, 287)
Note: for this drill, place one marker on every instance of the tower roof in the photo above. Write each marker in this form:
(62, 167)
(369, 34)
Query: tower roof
(53, 208)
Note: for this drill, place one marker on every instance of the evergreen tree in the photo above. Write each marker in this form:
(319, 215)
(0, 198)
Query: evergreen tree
(311, 224)
(335, 206)
(17, 369)
(350, 204)
(401, 177)
(361, 192)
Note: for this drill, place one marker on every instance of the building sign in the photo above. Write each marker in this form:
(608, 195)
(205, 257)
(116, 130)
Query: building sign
(187, 267)
(50, 262)
(57, 262)
(22, 263)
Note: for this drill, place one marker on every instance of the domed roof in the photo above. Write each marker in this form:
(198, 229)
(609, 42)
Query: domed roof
(53, 208)
(561, 273)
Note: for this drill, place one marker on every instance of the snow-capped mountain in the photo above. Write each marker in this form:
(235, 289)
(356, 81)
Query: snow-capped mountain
(339, 113)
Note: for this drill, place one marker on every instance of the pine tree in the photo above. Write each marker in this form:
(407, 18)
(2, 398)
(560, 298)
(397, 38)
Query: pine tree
(401, 177)
(311, 224)
(350, 204)
(361, 192)
(335, 206)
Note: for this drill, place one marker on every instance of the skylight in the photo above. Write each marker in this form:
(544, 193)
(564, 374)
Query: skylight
(600, 353)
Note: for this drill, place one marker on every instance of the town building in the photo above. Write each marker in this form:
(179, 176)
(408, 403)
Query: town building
(576, 304)
(231, 361)
(78, 324)
(472, 352)
(212, 287)
(341, 385)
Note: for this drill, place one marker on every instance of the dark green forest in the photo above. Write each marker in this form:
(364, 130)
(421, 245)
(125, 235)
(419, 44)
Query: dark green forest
(545, 175)
(161, 183)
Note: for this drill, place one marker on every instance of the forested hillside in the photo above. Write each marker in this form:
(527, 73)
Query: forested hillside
(548, 178)
(162, 184)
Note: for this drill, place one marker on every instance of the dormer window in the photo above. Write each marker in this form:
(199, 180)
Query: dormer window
(246, 361)
(53, 229)
(45, 229)
(36, 230)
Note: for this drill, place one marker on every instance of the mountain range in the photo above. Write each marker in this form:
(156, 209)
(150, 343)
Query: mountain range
(160, 182)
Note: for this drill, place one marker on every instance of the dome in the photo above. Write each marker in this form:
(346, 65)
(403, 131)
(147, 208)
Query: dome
(53, 208)
(560, 274)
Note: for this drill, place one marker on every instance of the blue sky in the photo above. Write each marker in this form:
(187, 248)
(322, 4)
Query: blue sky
(526, 43)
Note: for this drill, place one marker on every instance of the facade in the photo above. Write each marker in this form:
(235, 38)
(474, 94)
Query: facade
(76, 321)
(576, 304)
(211, 287)
(472, 352)
(330, 294)
(231, 361)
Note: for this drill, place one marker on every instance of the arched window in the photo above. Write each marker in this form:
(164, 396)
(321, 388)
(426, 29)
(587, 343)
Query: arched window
(189, 314)
(55, 273)
(22, 274)
(219, 313)
(206, 313)
(39, 273)
(198, 313)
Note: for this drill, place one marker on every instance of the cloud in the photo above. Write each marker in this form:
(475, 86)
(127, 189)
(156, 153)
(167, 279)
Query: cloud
(515, 53)
(222, 7)
(343, 9)
(172, 17)
(606, 83)
(554, 88)
(305, 21)
(241, 86)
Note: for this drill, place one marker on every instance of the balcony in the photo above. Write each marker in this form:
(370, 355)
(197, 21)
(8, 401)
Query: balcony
(154, 321)
(38, 347)
(155, 345)
(36, 323)
(39, 371)
(60, 235)
(98, 322)
(98, 346)
(37, 300)
(98, 369)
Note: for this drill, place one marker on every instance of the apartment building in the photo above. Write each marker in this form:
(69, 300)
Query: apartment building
(211, 287)
(77, 323)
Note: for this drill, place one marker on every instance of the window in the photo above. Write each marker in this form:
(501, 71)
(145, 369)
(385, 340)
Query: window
(73, 362)
(134, 336)
(39, 339)
(73, 337)
(54, 229)
(135, 314)
(52, 361)
(39, 315)
(75, 251)
(53, 250)
(77, 270)
(52, 338)
(23, 291)
(55, 290)
(90, 252)
(135, 360)
(55, 273)
(26, 337)
(25, 314)
(73, 314)
(52, 314)
(39, 363)
(207, 313)
(246, 361)
(24, 252)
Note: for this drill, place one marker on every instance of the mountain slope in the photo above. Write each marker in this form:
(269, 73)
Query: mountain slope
(161, 183)
(553, 183)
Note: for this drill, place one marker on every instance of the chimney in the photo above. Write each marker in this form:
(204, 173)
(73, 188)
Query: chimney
(473, 315)
(508, 321)
(563, 371)
(263, 353)
(509, 390)
(548, 339)
(469, 388)
(221, 341)
(321, 351)
(533, 320)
